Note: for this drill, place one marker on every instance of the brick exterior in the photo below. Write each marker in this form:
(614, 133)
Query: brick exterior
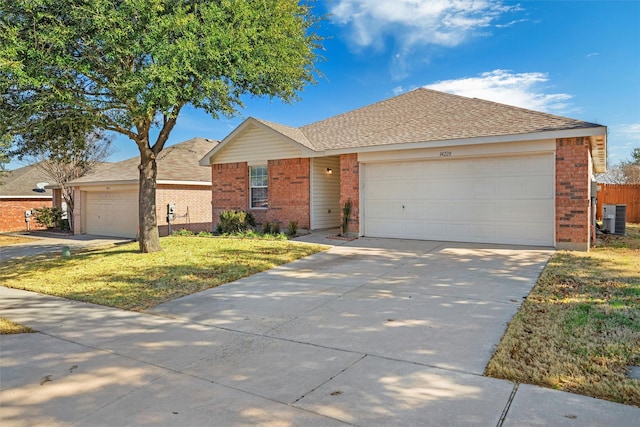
(12, 213)
(350, 189)
(573, 211)
(230, 188)
(193, 207)
(289, 191)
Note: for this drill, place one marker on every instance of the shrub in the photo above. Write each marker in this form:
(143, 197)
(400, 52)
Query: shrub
(292, 229)
(183, 232)
(232, 222)
(48, 217)
(204, 234)
(275, 228)
(250, 219)
(266, 228)
(346, 213)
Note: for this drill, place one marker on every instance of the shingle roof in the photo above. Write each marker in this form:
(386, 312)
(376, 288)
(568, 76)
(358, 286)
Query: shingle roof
(178, 162)
(22, 182)
(424, 115)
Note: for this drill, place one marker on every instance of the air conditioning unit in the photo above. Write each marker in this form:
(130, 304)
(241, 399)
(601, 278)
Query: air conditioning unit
(614, 219)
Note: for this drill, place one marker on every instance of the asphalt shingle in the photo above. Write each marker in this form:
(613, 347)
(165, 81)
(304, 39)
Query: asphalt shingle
(178, 162)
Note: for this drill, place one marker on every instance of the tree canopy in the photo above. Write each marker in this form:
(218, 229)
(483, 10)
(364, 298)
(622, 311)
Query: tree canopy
(130, 66)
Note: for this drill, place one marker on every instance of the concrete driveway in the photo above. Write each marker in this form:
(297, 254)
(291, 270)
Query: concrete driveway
(373, 332)
(43, 242)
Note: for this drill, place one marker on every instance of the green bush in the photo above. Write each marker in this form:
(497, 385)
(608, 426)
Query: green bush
(250, 219)
(275, 228)
(292, 229)
(48, 217)
(183, 232)
(346, 213)
(232, 222)
(204, 234)
(266, 228)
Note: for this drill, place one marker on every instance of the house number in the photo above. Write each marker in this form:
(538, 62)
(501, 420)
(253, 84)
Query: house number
(445, 154)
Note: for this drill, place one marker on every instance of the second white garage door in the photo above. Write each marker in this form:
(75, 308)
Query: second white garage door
(494, 200)
(112, 213)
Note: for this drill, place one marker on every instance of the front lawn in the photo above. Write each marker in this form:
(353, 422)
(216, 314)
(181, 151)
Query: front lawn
(7, 327)
(579, 329)
(122, 277)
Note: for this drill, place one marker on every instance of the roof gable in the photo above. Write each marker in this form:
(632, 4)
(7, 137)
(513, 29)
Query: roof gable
(418, 118)
(260, 140)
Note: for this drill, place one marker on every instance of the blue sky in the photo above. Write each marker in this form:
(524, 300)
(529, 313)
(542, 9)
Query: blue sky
(579, 59)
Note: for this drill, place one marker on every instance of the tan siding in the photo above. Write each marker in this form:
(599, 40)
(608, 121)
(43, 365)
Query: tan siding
(326, 193)
(257, 145)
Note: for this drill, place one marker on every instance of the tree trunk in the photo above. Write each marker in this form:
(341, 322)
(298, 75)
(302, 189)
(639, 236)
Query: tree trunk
(147, 217)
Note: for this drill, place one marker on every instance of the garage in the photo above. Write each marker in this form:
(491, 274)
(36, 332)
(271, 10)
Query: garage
(498, 199)
(111, 213)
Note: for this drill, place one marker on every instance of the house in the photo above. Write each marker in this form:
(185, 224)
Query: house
(106, 200)
(22, 190)
(421, 165)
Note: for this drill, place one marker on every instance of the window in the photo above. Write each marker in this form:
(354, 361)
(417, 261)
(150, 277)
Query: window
(258, 187)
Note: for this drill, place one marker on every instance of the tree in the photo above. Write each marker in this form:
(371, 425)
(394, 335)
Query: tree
(64, 160)
(5, 145)
(625, 172)
(131, 66)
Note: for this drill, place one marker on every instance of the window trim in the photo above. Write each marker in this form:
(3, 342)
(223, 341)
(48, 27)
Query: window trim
(251, 187)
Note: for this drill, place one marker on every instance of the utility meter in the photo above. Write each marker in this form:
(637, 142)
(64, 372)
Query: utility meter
(171, 211)
(27, 216)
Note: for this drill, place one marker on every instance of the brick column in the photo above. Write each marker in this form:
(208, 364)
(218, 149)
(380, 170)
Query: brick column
(350, 189)
(572, 194)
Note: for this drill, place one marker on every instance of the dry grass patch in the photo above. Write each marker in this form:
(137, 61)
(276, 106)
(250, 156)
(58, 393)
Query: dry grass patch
(122, 277)
(579, 329)
(7, 327)
(6, 240)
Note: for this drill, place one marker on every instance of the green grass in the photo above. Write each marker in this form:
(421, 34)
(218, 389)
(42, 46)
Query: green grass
(7, 327)
(579, 329)
(123, 277)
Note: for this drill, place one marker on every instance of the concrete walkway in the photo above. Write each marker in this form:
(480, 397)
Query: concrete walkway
(42, 242)
(373, 332)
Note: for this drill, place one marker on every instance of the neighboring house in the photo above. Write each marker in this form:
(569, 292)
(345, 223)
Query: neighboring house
(422, 165)
(106, 200)
(22, 190)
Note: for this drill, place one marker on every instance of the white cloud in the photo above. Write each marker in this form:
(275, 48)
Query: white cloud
(416, 22)
(626, 131)
(511, 24)
(526, 90)
(398, 90)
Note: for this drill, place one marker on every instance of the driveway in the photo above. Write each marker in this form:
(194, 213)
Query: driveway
(41, 243)
(373, 332)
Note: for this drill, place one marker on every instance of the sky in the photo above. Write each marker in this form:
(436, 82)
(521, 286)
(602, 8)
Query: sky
(579, 59)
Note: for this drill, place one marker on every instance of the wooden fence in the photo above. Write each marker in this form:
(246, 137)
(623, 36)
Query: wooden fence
(620, 194)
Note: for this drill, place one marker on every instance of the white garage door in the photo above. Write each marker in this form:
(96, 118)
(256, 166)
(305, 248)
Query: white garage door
(493, 200)
(112, 213)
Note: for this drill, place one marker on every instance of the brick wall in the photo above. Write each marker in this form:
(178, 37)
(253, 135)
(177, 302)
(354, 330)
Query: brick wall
(12, 213)
(573, 212)
(230, 188)
(350, 189)
(193, 207)
(289, 192)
